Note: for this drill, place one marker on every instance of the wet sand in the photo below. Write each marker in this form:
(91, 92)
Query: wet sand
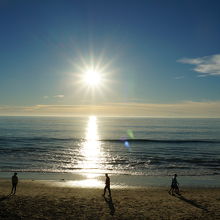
(42, 200)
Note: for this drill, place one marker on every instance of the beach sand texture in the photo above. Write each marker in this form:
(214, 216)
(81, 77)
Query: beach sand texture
(40, 200)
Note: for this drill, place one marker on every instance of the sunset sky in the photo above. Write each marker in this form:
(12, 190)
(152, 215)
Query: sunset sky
(155, 58)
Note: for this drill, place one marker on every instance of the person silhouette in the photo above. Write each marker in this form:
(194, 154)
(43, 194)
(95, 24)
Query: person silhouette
(174, 186)
(14, 181)
(107, 185)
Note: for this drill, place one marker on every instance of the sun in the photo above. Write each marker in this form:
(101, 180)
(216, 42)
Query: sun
(92, 77)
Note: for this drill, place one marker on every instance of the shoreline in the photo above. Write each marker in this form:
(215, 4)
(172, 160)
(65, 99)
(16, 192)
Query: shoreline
(41, 200)
(96, 180)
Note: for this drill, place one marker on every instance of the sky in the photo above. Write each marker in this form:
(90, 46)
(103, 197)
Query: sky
(157, 58)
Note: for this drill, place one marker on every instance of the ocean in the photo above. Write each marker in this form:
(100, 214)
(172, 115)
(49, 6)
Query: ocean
(130, 146)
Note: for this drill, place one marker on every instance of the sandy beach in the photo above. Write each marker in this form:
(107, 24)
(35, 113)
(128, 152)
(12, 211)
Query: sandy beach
(43, 200)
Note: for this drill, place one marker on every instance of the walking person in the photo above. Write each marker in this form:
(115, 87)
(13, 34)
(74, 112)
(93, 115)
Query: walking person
(107, 185)
(14, 181)
(174, 186)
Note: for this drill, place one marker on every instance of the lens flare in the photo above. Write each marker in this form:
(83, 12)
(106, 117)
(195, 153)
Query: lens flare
(126, 140)
(130, 133)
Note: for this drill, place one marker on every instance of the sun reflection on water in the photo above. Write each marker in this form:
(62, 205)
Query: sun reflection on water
(91, 148)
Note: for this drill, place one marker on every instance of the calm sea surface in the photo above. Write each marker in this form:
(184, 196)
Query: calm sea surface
(141, 146)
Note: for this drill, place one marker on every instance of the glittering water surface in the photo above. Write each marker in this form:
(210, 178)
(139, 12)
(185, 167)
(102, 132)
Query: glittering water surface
(142, 146)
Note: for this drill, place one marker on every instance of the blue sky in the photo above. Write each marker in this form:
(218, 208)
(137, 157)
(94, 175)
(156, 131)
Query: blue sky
(157, 55)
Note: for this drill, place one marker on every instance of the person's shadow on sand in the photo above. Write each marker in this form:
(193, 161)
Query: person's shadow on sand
(110, 205)
(191, 202)
(5, 197)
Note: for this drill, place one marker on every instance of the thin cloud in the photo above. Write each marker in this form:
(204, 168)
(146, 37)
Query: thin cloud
(46, 97)
(179, 77)
(59, 96)
(181, 109)
(206, 66)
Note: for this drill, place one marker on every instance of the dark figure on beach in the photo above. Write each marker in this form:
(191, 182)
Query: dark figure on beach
(174, 186)
(14, 181)
(107, 185)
